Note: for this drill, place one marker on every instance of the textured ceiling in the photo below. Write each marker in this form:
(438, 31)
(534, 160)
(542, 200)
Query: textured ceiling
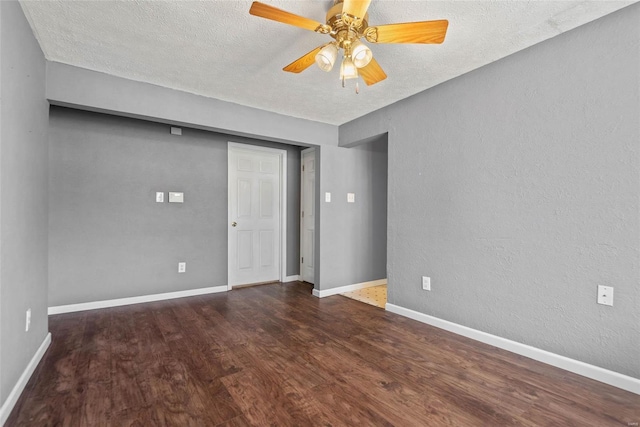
(216, 49)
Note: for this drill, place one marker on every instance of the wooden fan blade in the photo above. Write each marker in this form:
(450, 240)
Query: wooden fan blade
(269, 12)
(303, 62)
(409, 32)
(372, 73)
(357, 8)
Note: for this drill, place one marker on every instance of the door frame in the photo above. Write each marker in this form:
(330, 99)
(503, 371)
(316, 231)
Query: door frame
(315, 204)
(282, 154)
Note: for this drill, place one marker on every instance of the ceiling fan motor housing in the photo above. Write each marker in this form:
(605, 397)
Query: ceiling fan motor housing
(345, 28)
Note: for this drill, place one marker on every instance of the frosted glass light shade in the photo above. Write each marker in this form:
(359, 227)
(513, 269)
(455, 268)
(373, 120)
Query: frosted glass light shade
(348, 70)
(361, 54)
(327, 57)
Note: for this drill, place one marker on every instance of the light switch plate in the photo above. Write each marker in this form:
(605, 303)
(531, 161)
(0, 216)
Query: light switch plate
(426, 283)
(176, 197)
(159, 197)
(351, 197)
(327, 197)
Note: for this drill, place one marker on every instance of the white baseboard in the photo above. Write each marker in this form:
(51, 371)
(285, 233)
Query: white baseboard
(294, 278)
(590, 371)
(133, 300)
(13, 397)
(347, 288)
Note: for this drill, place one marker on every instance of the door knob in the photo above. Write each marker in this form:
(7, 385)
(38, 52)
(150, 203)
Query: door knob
(233, 224)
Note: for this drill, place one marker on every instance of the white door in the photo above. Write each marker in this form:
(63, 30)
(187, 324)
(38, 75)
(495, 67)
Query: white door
(307, 215)
(254, 214)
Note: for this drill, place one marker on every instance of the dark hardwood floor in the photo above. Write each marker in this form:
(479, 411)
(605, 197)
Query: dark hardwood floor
(275, 355)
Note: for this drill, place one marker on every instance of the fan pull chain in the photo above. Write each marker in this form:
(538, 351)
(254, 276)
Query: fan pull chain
(357, 87)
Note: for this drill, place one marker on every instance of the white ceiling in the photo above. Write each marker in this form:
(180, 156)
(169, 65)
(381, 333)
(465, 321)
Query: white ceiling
(216, 49)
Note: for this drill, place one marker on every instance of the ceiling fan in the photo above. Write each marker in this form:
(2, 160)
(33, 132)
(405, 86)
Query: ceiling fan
(347, 22)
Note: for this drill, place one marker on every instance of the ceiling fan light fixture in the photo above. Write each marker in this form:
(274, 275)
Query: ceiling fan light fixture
(348, 69)
(327, 57)
(361, 54)
(347, 23)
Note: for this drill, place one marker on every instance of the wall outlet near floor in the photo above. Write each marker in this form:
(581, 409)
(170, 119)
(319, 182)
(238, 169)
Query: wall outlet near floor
(159, 197)
(28, 321)
(605, 295)
(426, 283)
(182, 267)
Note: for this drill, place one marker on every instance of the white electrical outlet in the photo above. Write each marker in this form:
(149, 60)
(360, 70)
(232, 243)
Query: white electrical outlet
(182, 267)
(327, 197)
(159, 197)
(28, 322)
(351, 197)
(426, 283)
(605, 295)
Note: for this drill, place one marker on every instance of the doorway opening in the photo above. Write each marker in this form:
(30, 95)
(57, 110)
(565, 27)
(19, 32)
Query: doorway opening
(350, 193)
(374, 295)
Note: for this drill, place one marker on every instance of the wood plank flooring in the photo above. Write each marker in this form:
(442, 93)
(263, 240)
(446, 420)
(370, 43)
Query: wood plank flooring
(274, 355)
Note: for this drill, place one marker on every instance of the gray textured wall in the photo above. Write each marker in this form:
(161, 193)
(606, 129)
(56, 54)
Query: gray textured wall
(110, 239)
(352, 235)
(23, 195)
(85, 89)
(516, 188)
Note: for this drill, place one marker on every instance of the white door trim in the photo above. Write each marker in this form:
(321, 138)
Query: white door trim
(315, 204)
(283, 201)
